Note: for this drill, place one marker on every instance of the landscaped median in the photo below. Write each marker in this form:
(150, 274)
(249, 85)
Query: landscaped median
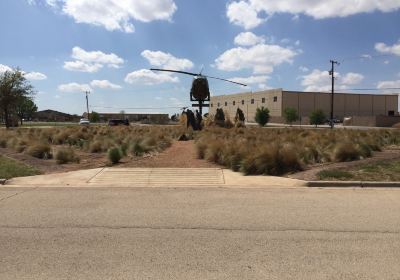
(256, 151)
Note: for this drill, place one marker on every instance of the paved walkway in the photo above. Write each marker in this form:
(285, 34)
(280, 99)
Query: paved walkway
(155, 177)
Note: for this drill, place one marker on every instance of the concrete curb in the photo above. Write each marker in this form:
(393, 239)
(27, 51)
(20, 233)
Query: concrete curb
(3, 181)
(352, 184)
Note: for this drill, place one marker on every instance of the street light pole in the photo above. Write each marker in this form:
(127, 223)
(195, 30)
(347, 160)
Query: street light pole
(87, 103)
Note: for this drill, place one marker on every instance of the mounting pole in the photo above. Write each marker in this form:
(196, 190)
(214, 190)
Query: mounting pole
(332, 73)
(87, 103)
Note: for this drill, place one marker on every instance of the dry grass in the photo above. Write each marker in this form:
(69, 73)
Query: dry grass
(280, 151)
(41, 142)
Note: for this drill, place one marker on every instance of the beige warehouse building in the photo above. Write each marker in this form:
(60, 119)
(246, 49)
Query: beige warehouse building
(364, 109)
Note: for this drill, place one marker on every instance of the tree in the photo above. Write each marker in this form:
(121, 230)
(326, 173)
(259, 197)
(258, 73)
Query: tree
(94, 117)
(290, 115)
(239, 116)
(262, 116)
(26, 108)
(13, 88)
(317, 117)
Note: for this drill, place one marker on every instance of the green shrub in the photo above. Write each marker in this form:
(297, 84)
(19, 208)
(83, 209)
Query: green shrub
(114, 155)
(262, 116)
(66, 155)
(317, 117)
(39, 150)
(138, 149)
(290, 115)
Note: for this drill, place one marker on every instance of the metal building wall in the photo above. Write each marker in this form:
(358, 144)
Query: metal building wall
(248, 103)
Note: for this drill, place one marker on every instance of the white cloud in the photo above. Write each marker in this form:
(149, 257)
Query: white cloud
(91, 61)
(263, 86)
(51, 3)
(243, 14)
(389, 84)
(248, 39)
(260, 58)
(114, 14)
(35, 76)
(246, 12)
(319, 80)
(104, 84)
(96, 57)
(148, 77)
(251, 79)
(74, 87)
(167, 60)
(366, 56)
(383, 48)
(303, 69)
(28, 75)
(81, 66)
(351, 79)
(4, 68)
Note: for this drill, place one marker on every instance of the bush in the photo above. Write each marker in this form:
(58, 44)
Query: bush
(95, 147)
(346, 152)
(66, 155)
(39, 150)
(114, 155)
(317, 117)
(290, 115)
(262, 116)
(138, 149)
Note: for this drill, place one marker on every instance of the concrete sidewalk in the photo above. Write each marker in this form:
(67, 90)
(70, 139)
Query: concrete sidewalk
(154, 177)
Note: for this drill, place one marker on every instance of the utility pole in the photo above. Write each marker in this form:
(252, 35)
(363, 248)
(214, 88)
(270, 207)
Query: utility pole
(332, 73)
(87, 103)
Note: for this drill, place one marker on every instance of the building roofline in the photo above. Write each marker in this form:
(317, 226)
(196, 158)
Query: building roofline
(352, 93)
(294, 91)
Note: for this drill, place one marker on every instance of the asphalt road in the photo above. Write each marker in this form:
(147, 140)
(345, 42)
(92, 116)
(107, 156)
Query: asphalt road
(207, 233)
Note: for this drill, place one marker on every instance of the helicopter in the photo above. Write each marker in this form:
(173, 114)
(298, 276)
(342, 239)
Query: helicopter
(200, 90)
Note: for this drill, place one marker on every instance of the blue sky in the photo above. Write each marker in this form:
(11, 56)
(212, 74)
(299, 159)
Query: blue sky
(106, 46)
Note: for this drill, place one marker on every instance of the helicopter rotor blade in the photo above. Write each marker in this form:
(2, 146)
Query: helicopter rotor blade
(225, 80)
(174, 71)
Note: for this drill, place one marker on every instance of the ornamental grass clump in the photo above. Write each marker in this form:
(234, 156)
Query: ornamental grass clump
(66, 155)
(281, 151)
(39, 150)
(114, 155)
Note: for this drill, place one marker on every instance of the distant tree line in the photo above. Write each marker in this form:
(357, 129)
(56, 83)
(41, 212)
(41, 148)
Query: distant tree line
(16, 98)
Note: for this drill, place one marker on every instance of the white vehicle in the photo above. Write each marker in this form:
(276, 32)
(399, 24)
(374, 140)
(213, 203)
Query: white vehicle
(84, 122)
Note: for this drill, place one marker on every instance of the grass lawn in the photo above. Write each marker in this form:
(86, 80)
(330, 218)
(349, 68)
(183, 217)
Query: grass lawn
(10, 168)
(378, 171)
